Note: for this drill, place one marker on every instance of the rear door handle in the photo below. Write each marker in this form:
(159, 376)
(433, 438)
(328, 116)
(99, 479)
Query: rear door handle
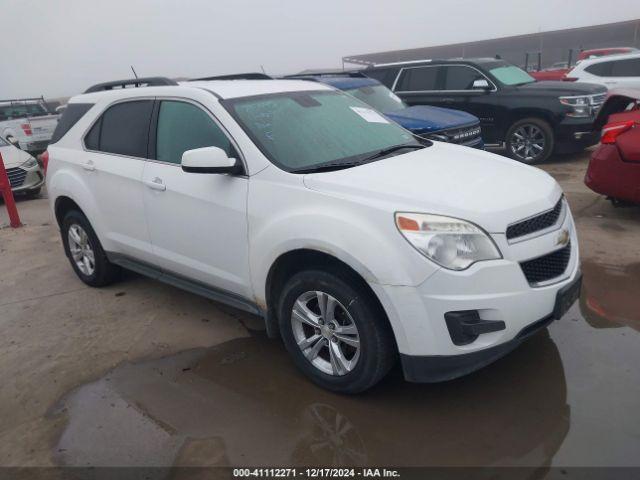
(89, 166)
(156, 184)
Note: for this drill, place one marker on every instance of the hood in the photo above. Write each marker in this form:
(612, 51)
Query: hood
(562, 88)
(446, 179)
(13, 157)
(421, 118)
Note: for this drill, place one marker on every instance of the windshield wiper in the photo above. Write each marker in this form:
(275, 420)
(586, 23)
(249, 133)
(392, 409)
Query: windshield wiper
(326, 167)
(388, 150)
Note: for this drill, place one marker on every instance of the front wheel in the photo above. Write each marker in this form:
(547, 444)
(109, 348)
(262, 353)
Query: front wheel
(335, 332)
(530, 140)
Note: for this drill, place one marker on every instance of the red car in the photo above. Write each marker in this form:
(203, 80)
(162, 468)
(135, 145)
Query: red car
(614, 169)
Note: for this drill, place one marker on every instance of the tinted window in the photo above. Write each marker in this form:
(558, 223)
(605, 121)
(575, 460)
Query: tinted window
(418, 78)
(70, 116)
(459, 77)
(123, 129)
(386, 76)
(599, 69)
(626, 68)
(183, 126)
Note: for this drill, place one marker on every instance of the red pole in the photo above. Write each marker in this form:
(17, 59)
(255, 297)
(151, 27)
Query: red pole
(7, 194)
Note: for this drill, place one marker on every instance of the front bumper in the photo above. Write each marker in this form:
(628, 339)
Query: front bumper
(32, 179)
(497, 290)
(575, 134)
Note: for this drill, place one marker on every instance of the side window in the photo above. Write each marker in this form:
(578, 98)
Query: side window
(386, 76)
(459, 77)
(418, 79)
(123, 129)
(626, 68)
(602, 69)
(183, 126)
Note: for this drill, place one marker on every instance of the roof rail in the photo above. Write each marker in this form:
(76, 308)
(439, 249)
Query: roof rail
(346, 73)
(236, 76)
(132, 82)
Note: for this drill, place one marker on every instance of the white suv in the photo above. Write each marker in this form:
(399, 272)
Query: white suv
(612, 71)
(297, 202)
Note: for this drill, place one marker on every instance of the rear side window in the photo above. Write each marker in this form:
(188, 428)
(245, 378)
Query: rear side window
(418, 79)
(459, 77)
(70, 116)
(602, 69)
(183, 126)
(626, 68)
(385, 76)
(122, 129)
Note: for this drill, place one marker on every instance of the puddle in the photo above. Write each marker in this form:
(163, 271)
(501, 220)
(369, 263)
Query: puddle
(243, 403)
(611, 295)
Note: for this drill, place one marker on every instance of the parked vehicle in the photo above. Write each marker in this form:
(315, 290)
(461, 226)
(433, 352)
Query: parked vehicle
(432, 123)
(615, 71)
(614, 169)
(300, 203)
(27, 124)
(530, 119)
(559, 70)
(25, 175)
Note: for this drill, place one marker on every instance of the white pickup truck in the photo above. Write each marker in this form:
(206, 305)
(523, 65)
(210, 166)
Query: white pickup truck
(27, 123)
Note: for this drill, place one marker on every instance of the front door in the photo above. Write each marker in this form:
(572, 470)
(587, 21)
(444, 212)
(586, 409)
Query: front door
(197, 222)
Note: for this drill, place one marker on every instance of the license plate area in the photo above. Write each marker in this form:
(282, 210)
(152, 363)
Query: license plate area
(566, 297)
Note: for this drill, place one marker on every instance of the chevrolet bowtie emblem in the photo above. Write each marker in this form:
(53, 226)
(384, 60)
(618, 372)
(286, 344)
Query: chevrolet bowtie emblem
(563, 237)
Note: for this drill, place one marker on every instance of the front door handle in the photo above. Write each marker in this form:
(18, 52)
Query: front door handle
(156, 184)
(89, 166)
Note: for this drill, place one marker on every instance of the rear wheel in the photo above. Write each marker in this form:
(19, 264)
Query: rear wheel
(530, 140)
(85, 252)
(335, 332)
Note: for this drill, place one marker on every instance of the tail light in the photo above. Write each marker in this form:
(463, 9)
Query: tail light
(44, 157)
(611, 131)
(569, 79)
(26, 128)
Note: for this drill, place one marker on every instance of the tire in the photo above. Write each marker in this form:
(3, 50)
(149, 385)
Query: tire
(530, 140)
(362, 366)
(102, 272)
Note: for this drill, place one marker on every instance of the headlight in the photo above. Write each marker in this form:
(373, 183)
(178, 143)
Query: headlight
(32, 162)
(580, 106)
(450, 242)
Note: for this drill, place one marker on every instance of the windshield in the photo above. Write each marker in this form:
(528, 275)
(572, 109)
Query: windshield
(379, 97)
(511, 75)
(8, 112)
(300, 130)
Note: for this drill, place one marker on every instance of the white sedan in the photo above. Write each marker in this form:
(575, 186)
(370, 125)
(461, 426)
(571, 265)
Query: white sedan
(25, 175)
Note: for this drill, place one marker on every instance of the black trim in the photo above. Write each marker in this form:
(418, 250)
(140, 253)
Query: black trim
(135, 82)
(440, 368)
(198, 288)
(236, 76)
(465, 326)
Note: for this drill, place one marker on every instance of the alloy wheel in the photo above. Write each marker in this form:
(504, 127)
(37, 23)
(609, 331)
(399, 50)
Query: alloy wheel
(325, 333)
(527, 142)
(81, 250)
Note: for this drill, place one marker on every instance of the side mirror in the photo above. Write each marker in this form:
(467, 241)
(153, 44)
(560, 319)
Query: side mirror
(209, 160)
(13, 141)
(481, 84)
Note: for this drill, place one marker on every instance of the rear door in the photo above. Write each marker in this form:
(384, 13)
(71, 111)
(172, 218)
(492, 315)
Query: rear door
(111, 168)
(197, 222)
(624, 74)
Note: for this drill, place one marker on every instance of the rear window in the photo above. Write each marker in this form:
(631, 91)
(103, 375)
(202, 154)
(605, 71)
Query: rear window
(122, 129)
(626, 68)
(418, 79)
(70, 116)
(22, 110)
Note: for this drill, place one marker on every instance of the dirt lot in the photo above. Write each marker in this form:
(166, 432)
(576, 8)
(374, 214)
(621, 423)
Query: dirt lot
(141, 373)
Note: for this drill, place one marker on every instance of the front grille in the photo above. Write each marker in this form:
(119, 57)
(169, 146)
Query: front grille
(462, 136)
(547, 267)
(534, 224)
(16, 176)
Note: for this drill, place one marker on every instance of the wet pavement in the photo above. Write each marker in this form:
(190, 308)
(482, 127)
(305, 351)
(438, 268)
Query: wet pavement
(220, 393)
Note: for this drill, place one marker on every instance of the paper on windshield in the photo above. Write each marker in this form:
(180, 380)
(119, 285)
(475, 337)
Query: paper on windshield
(369, 115)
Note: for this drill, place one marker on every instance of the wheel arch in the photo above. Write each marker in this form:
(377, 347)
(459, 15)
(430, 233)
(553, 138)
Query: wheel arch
(297, 260)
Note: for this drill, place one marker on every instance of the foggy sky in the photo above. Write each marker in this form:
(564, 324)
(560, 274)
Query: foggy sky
(60, 47)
